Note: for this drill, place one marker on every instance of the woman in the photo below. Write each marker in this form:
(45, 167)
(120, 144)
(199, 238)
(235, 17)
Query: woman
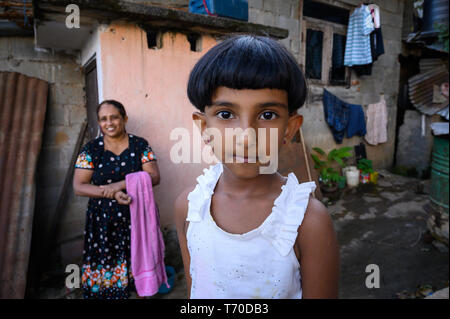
(100, 173)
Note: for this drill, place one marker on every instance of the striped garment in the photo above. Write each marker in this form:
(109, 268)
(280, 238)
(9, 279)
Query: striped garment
(357, 48)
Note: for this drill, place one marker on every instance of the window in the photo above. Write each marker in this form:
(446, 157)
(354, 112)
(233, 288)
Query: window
(313, 62)
(338, 70)
(324, 30)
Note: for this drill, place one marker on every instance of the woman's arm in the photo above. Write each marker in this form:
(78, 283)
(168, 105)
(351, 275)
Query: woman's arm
(153, 170)
(82, 184)
(149, 167)
(181, 210)
(319, 253)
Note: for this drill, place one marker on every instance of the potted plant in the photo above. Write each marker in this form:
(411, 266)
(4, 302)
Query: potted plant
(365, 167)
(329, 178)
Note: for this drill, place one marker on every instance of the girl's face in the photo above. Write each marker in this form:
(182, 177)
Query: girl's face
(252, 124)
(111, 121)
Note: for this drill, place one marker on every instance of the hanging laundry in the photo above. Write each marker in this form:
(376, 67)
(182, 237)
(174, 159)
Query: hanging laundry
(343, 117)
(376, 42)
(375, 12)
(357, 49)
(377, 46)
(377, 123)
(356, 121)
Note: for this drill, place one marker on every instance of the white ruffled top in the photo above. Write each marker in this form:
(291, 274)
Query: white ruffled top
(258, 264)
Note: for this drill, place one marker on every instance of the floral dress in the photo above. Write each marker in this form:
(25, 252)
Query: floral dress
(106, 272)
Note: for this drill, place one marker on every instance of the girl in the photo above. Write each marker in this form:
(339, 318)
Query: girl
(244, 234)
(100, 173)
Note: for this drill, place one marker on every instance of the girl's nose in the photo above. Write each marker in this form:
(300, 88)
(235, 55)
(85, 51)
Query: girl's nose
(247, 137)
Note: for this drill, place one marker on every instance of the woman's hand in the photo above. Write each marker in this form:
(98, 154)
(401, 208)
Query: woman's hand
(122, 198)
(110, 190)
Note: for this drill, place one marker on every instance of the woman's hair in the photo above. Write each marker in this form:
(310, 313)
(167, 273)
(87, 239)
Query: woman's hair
(247, 62)
(119, 106)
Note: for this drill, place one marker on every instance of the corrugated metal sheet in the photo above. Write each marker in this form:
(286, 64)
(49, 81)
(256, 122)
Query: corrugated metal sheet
(420, 88)
(430, 64)
(23, 103)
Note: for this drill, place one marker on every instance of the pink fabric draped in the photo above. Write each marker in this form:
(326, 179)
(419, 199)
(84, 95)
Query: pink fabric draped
(147, 244)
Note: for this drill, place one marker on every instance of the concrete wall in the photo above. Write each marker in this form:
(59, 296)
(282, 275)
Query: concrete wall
(364, 90)
(151, 83)
(65, 114)
(415, 144)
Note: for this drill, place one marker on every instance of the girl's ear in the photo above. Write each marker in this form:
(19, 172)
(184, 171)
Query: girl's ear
(294, 123)
(200, 121)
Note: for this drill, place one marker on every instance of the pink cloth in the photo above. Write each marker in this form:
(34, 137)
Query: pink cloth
(147, 244)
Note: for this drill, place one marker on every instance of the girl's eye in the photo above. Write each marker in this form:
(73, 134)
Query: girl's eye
(268, 116)
(224, 115)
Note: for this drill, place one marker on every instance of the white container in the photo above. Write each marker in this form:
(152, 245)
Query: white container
(352, 177)
(348, 168)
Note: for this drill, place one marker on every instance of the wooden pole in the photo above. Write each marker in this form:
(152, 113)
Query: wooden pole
(308, 169)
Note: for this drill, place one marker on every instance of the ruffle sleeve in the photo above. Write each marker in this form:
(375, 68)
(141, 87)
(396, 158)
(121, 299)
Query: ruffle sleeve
(200, 198)
(289, 210)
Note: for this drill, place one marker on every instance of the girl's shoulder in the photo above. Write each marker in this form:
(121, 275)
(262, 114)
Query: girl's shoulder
(181, 207)
(316, 223)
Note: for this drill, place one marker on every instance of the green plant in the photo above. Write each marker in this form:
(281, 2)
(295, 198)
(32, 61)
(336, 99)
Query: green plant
(323, 163)
(365, 165)
(443, 35)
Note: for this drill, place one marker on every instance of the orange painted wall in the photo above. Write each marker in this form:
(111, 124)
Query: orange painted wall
(151, 84)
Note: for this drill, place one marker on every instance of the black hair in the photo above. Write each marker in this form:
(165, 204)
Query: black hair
(119, 106)
(247, 62)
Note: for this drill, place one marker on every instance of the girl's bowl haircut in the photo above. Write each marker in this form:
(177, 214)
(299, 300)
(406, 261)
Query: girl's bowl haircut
(247, 62)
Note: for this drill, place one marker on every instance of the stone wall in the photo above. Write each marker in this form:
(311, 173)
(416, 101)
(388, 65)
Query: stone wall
(64, 117)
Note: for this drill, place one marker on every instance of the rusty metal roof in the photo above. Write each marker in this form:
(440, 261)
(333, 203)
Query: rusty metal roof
(23, 103)
(430, 64)
(420, 88)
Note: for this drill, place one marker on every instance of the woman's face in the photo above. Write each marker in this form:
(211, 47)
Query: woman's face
(248, 127)
(111, 121)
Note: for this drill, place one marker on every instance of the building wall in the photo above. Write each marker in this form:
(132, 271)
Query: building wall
(364, 90)
(154, 95)
(65, 115)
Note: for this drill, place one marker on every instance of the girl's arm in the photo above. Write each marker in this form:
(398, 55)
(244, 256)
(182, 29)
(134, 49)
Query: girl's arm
(82, 184)
(181, 210)
(318, 250)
